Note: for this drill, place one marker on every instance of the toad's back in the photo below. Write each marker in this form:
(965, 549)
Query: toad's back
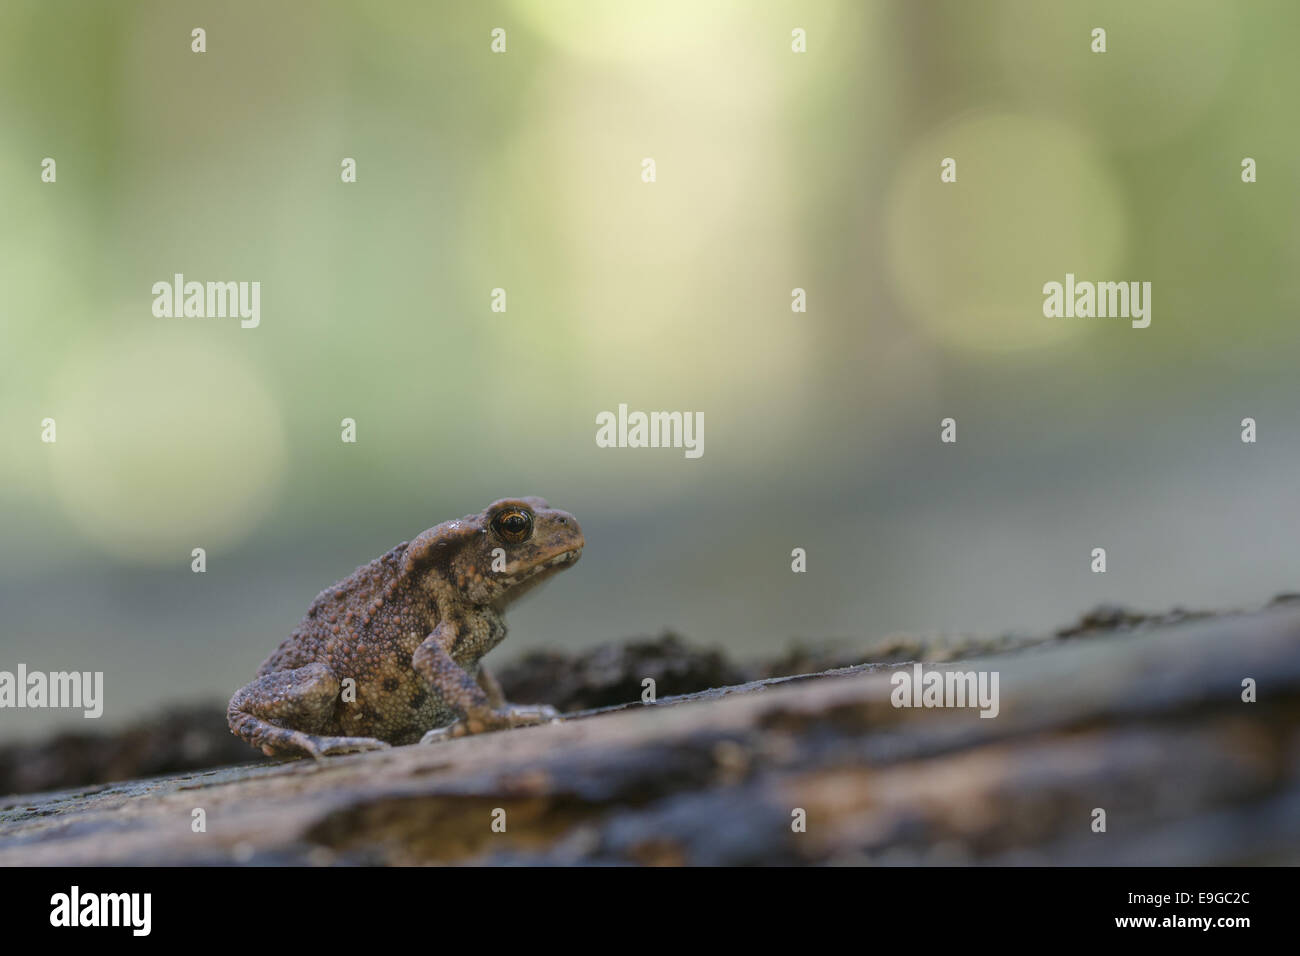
(342, 614)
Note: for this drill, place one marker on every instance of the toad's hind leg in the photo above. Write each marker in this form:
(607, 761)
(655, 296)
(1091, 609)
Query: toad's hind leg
(281, 713)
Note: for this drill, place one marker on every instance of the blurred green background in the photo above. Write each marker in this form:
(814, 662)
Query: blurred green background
(523, 171)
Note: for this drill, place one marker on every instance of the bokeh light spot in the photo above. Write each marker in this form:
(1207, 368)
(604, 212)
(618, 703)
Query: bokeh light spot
(1032, 201)
(164, 447)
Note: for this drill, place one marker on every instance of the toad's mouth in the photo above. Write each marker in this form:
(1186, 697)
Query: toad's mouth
(551, 565)
(566, 557)
(515, 586)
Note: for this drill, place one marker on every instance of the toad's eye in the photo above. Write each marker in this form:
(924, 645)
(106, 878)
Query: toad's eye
(513, 526)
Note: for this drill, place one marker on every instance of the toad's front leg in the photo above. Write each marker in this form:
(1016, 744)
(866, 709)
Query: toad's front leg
(462, 693)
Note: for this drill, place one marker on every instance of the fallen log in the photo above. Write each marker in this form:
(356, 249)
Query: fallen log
(1146, 720)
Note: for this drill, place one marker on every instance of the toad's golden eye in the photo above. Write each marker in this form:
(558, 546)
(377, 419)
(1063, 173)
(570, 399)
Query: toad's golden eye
(513, 526)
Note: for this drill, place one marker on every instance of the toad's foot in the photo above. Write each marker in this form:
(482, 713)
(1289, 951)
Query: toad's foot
(503, 718)
(320, 747)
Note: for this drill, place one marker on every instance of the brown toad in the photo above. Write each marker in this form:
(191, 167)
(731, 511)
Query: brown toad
(409, 629)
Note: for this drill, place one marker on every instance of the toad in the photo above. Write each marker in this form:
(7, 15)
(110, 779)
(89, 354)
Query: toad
(392, 653)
